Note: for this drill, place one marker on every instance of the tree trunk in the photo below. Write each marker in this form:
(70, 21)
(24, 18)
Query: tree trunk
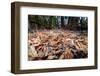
(62, 21)
(73, 23)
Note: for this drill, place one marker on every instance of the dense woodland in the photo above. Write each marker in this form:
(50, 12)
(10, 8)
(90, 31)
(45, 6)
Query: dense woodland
(57, 22)
(57, 37)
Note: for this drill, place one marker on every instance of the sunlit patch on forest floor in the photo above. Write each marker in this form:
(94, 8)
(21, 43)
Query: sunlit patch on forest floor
(57, 44)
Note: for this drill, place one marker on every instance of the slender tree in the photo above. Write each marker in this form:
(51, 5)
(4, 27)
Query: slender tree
(62, 21)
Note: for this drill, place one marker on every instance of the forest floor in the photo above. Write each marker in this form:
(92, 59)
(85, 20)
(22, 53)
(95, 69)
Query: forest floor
(57, 44)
